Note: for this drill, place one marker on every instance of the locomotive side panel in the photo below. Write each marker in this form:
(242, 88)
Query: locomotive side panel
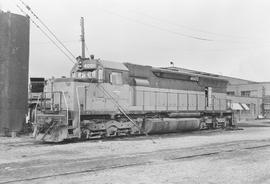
(161, 101)
(201, 102)
(103, 97)
(168, 90)
(172, 101)
(192, 105)
(183, 101)
(153, 99)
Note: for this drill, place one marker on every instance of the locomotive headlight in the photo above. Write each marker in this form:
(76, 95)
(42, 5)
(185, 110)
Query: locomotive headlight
(80, 65)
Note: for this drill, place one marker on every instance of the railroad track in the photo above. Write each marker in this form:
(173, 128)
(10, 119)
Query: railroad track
(25, 144)
(119, 138)
(73, 167)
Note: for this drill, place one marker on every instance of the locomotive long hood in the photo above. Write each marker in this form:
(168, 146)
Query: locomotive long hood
(171, 74)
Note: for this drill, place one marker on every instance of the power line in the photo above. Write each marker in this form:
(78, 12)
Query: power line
(45, 33)
(160, 28)
(185, 26)
(41, 43)
(179, 33)
(48, 29)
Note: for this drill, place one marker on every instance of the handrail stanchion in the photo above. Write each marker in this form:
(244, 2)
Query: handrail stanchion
(35, 127)
(65, 100)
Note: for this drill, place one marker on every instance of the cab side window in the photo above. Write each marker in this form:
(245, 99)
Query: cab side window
(116, 78)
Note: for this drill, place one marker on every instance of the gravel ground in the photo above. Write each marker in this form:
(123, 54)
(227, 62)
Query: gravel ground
(23, 150)
(223, 157)
(248, 167)
(255, 123)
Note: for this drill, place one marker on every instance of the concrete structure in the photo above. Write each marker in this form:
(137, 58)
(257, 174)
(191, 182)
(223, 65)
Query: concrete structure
(14, 61)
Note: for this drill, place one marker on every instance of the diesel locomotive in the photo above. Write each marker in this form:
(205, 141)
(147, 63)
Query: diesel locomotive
(106, 99)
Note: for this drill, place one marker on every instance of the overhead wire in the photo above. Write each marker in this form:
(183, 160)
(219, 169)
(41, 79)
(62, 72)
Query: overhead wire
(137, 21)
(180, 33)
(160, 28)
(185, 26)
(48, 29)
(66, 42)
(26, 14)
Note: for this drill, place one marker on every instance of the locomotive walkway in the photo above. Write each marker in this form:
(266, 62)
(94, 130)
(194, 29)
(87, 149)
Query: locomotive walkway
(37, 163)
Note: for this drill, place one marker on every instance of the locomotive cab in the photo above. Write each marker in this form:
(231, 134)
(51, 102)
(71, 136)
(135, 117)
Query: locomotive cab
(88, 69)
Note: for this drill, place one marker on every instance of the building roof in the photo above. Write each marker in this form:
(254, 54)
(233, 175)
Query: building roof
(237, 81)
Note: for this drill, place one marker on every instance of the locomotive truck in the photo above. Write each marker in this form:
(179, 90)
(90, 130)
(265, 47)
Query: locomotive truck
(107, 99)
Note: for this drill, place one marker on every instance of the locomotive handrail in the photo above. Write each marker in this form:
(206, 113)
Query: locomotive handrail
(65, 104)
(110, 96)
(38, 101)
(60, 102)
(35, 128)
(78, 103)
(121, 109)
(36, 108)
(47, 131)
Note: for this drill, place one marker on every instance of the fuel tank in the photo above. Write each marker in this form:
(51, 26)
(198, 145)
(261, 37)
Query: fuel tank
(185, 115)
(170, 125)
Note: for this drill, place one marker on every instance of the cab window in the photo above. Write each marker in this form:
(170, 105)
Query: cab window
(116, 78)
(100, 74)
(92, 74)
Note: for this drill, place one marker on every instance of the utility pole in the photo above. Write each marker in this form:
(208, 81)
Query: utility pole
(82, 38)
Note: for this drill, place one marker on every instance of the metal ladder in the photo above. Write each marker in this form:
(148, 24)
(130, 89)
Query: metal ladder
(121, 109)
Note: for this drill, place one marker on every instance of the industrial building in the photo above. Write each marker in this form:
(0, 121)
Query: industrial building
(248, 99)
(255, 94)
(14, 61)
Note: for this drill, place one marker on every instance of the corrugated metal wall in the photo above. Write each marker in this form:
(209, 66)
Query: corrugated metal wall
(14, 61)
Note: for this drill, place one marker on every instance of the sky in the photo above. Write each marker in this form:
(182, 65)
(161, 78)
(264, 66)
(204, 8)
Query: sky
(227, 37)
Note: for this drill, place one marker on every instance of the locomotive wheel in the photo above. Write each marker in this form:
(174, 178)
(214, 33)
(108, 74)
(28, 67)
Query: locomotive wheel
(112, 131)
(202, 125)
(85, 133)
